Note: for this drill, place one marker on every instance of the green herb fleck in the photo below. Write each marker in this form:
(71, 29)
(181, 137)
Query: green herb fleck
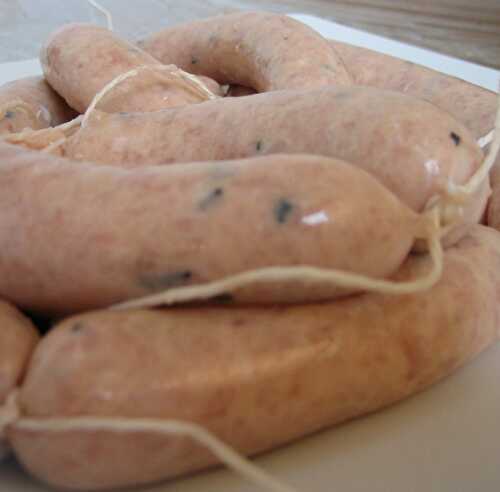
(222, 298)
(282, 210)
(78, 326)
(213, 197)
(154, 281)
(456, 138)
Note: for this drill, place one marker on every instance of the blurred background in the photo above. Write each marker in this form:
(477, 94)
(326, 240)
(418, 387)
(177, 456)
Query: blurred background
(467, 29)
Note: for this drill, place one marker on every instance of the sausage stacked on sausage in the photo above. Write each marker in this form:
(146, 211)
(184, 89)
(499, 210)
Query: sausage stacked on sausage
(312, 191)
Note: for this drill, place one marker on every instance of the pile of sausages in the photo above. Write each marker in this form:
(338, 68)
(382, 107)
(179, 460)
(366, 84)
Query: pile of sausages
(329, 160)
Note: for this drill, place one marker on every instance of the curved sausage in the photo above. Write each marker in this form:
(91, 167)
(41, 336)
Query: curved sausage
(257, 378)
(474, 106)
(260, 50)
(18, 338)
(40, 107)
(411, 146)
(124, 234)
(81, 59)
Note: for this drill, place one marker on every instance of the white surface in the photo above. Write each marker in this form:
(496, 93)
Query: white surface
(475, 74)
(488, 78)
(446, 439)
(17, 70)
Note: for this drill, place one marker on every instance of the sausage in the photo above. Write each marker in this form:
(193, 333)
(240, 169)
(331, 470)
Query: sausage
(79, 60)
(123, 234)
(31, 103)
(411, 146)
(18, 338)
(256, 378)
(46, 139)
(474, 106)
(260, 50)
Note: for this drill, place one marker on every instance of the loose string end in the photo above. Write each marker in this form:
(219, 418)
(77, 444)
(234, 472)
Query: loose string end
(338, 278)
(192, 82)
(105, 12)
(460, 193)
(225, 453)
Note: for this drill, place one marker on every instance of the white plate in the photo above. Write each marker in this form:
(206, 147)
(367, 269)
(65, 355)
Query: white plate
(446, 439)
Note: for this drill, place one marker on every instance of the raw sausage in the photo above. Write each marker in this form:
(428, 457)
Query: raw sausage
(474, 106)
(260, 50)
(257, 378)
(18, 338)
(122, 234)
(80, 59)
(411, 146)
(31, 103)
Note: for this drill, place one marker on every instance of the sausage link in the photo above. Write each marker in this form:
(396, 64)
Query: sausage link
(474, 106)
(409, 145)
(260, 50)
(79, 60)
(257, 378)
(123, 234)
(18, 338)
(40, 106)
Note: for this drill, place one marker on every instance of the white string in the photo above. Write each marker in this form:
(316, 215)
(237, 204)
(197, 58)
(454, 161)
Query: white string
(343, 279)
(226, 454)
(70, 124)
(27, 136)
(194, 83)
(103, 92)
(107, 13)
(460, 193)
(486, 140)
(54, 145)
(18, 104)
(9, 413)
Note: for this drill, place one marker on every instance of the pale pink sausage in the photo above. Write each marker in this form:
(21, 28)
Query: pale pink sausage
(411, 146)
(18, 338)
(124, 234)
(41, 107)
(474, 106)
(260, 50)
(257, 378)
(80, 59)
